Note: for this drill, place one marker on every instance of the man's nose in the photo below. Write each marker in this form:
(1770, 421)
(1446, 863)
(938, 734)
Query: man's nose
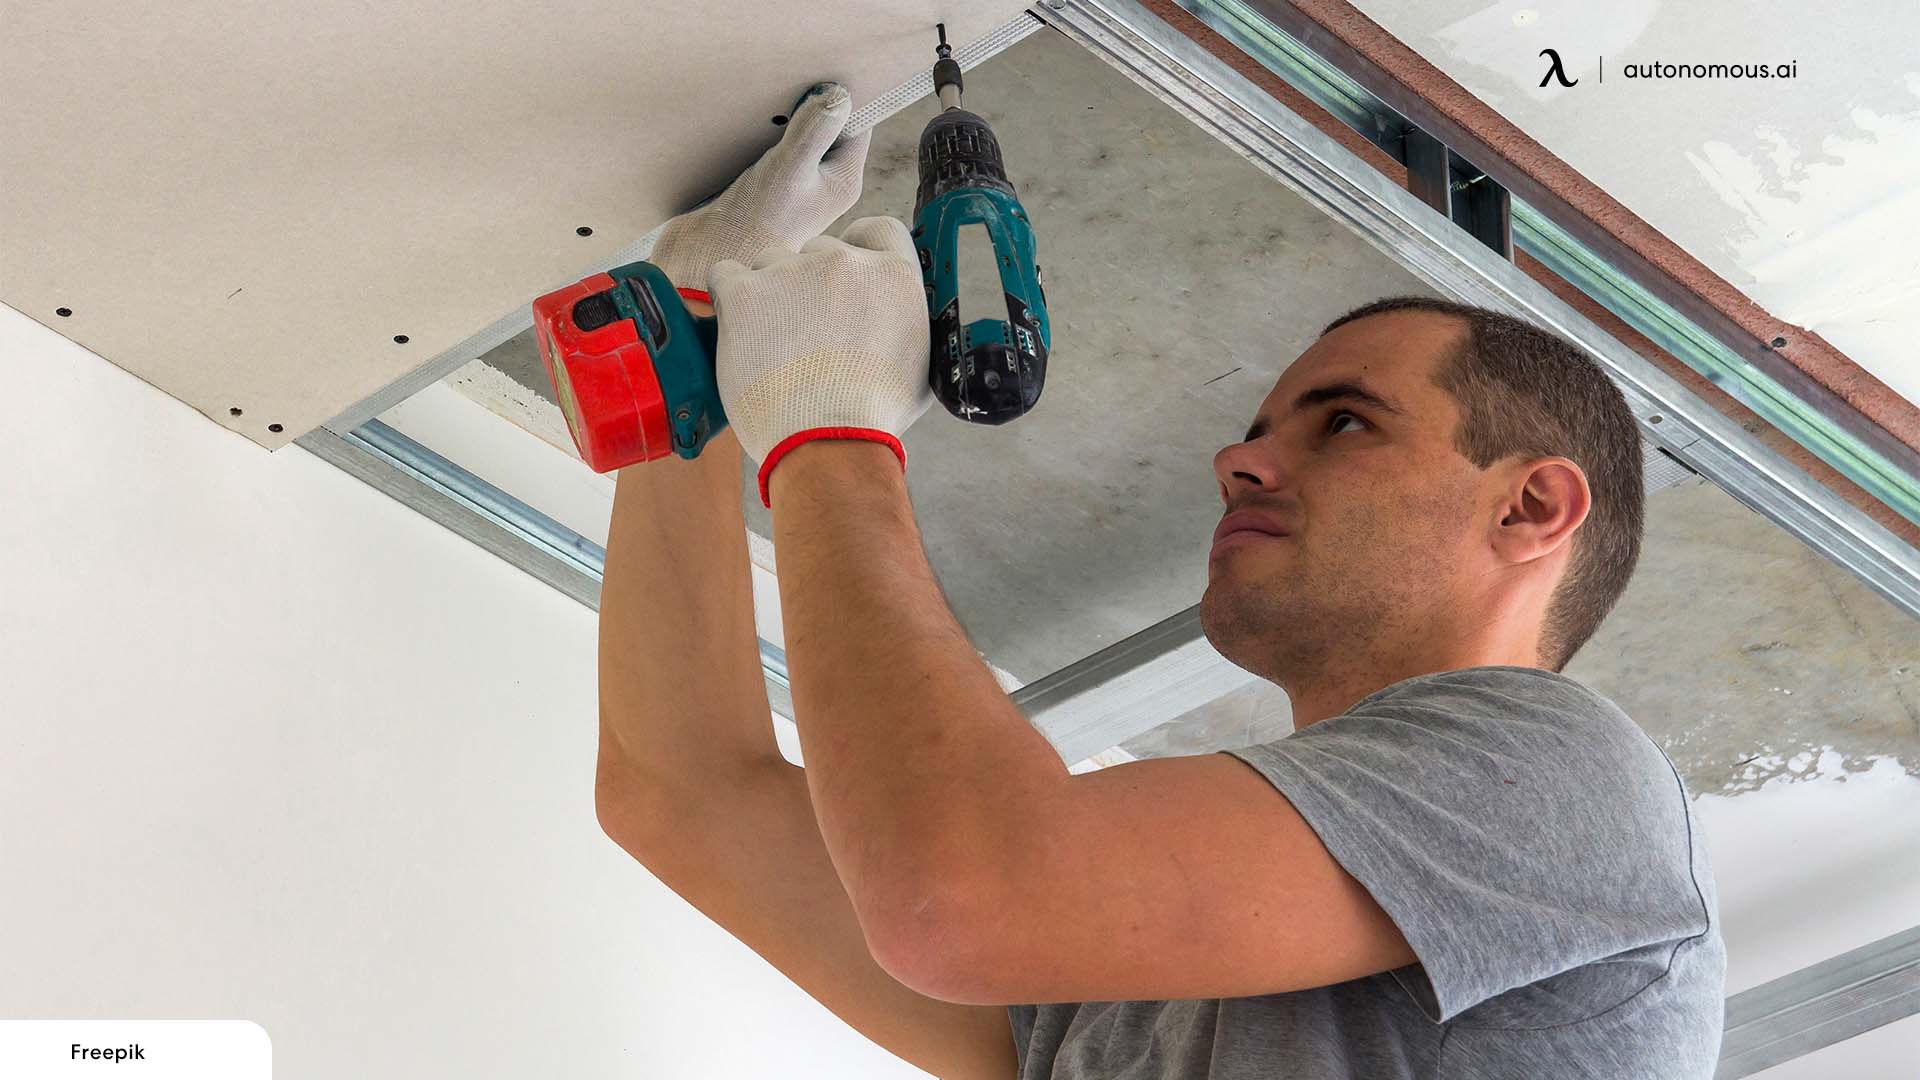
(1245, 467)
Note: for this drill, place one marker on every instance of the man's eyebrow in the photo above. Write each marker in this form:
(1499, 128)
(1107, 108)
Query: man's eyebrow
(1320, 395)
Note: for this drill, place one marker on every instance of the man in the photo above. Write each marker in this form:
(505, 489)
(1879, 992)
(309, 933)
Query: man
(1461, 864)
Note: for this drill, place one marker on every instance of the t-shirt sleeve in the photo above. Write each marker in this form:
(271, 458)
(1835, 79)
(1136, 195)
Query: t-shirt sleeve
(1513, 824)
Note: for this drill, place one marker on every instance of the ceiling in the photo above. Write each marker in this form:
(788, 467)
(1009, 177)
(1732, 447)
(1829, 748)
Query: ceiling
(253, 242)
(1800, 192)
(273, 215)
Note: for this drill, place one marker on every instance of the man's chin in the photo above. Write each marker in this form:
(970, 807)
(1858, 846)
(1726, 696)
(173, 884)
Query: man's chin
(1225, 617)
(1244, 622)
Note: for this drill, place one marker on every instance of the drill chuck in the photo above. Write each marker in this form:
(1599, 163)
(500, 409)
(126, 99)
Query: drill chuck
(947, 83)
(958, 150)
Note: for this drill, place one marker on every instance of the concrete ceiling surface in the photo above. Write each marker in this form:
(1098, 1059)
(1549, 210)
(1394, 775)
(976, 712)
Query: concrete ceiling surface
(1800, 191)
(246, 208)
(1180, 279)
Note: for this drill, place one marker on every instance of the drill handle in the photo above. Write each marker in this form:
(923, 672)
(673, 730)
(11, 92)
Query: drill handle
(988, 371)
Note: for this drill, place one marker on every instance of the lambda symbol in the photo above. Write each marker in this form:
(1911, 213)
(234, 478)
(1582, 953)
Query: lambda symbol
(1554, 71)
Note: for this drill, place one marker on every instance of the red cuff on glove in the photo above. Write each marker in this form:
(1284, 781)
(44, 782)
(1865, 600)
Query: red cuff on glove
(787, 444)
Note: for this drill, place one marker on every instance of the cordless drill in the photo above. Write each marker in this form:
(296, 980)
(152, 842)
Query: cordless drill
(633, 370)
(988, 371)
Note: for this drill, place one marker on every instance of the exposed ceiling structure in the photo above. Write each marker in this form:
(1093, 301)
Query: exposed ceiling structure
(1180, 280)
(183, 197)
(1087, 521)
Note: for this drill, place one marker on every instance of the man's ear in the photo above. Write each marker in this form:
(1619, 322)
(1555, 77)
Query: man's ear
(1546, 500)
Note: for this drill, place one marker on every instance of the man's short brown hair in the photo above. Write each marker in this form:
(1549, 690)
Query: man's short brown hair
(1524, 392)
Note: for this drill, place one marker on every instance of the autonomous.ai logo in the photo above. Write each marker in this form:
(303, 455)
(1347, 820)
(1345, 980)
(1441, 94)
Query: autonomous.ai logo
(1557, 70)
(1554, 70)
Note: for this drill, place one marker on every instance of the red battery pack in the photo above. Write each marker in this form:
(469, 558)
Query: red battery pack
(603, 377)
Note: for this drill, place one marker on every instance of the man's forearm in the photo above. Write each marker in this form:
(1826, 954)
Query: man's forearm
(917, 761)
(680, 686)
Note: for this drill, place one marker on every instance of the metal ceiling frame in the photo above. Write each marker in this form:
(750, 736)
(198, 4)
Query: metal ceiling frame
(1167, 670)
(1133, 686)
(1835, 999)
(1337, 182)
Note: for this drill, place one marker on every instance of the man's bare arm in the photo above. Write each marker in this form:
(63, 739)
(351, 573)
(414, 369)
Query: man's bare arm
(981, 870)
(690, 780)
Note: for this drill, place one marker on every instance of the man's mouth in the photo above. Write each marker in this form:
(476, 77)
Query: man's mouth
(1245, 526)
(1238, 538)
(1247, 521)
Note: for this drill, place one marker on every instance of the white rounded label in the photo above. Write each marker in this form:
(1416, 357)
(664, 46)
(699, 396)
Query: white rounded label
(135, 1050)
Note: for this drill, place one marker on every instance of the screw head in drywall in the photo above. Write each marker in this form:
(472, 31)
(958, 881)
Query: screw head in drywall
(63, 312)
(275, 428)
(234, 411)
(583, 231)
(399, 339)
(1779, 343)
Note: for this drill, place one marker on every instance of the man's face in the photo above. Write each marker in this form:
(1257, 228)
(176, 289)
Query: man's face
(1351, 456)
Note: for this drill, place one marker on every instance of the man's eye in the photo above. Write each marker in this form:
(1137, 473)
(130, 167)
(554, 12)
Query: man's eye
(1337, 419)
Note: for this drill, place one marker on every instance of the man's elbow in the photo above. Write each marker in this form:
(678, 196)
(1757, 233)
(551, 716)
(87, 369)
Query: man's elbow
(944, 939)
(621, 819)
(630, 811)
(617, 820)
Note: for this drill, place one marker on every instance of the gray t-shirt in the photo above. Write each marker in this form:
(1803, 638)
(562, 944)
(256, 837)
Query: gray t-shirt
(1535, 848)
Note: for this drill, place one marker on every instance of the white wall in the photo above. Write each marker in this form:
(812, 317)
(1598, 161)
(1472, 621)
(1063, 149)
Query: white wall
(274, 747)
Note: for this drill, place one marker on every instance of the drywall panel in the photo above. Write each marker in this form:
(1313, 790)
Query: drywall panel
(272, 214)
(1796, 187)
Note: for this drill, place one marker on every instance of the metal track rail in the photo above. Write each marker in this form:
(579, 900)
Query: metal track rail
(1818, 1006)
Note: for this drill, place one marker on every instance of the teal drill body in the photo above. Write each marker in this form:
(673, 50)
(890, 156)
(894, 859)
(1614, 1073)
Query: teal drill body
(988, 371)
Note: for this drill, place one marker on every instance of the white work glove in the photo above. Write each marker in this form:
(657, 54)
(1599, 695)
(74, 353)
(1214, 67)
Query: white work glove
(829, 343)
(791, 194)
